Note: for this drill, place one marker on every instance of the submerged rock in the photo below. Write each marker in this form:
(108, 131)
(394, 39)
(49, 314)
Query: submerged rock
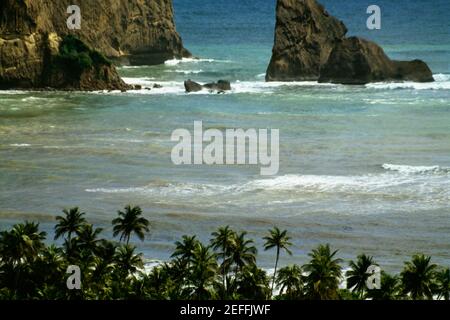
(311, 45)
(221, 86)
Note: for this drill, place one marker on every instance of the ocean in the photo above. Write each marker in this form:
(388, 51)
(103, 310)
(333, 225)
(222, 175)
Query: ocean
(364, 168)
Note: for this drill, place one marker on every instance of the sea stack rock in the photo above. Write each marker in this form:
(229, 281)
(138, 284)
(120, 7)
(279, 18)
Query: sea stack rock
(311, 45)
(130, 32)
(358, 61)
(305, 34)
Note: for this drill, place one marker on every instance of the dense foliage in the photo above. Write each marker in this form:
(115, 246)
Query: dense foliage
(76, 55)
(225, 268)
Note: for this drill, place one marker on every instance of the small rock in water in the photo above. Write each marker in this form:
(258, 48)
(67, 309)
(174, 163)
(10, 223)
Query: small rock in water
(192, 86)
(157, 86)
(137, 87)
(220, 86)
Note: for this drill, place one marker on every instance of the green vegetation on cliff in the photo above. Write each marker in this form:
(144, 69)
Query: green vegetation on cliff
(75, 54)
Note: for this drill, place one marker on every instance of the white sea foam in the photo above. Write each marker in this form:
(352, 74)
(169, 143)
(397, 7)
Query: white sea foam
(30, 99)
(185, 71)
(141, 81)
(391, 184)
(259, 87)
(130, 67)
(414, 169)
(20, 145)
(442, 82)
(262, 87)
(440, 77)
(324, 183)
(174, 62)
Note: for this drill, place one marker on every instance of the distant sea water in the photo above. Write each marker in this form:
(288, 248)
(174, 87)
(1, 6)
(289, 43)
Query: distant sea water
(364, 168)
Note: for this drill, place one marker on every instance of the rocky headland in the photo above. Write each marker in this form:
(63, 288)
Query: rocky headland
(33, 35)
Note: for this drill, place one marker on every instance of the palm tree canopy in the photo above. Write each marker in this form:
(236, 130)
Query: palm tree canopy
(87, 237)
(243, 252)
(24, 241)
(443, 284)
(357, 276)
(324, 273)
(203, 272)
(223, 239)
(127, 260)
(418, 277)
(389, 290)
(130, 221)
(290, 281)
(69, 224)
(185, 248)
(278, 239)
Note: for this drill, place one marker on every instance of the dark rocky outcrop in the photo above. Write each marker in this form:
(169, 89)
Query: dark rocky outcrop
(219, 86)
(305, 34)
(192, 86)
(132, 32)
(358, 61)
(311, 45)
(77, 67)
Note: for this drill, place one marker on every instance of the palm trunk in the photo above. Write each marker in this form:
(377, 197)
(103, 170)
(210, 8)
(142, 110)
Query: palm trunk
(223, 280)
(275, 271)
(224, 272)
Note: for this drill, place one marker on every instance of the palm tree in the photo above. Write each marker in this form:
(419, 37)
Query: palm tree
(324, 274)
(443, 284)
(223, 241)
(184, 249)
(357, 276)
(87, 238)
(203, 272)
(70, 224)
(157, 282)
(127, 261)
(243, 252)
(252, 283)
(290, 281)
(19, 250)
(389, 289)
(418, 278)
(22, 243)
(130, 221)
(277, 239)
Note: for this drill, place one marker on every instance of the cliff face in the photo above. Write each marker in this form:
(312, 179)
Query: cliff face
(132, 31)
(311, 45)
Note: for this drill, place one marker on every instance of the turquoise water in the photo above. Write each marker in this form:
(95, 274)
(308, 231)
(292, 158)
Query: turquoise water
(366, 168)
